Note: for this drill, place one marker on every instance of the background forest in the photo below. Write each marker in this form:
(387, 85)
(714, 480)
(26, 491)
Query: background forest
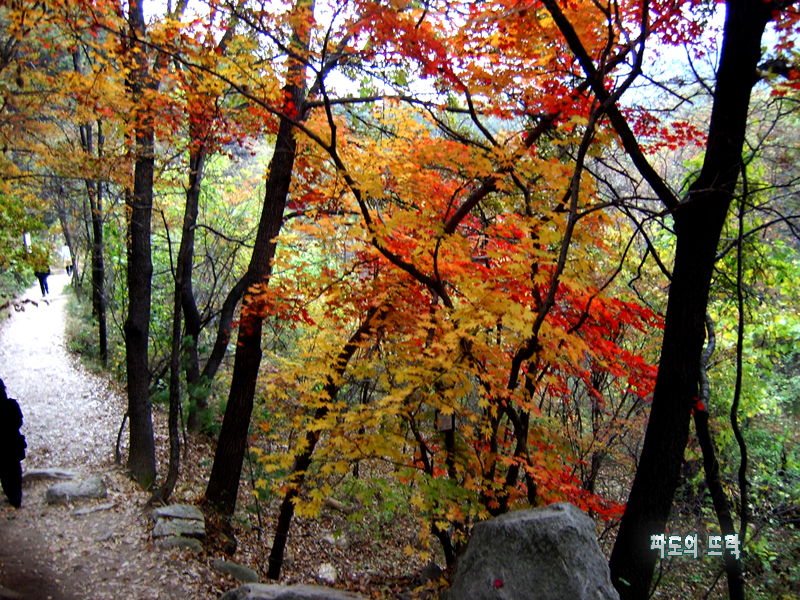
(434, 261)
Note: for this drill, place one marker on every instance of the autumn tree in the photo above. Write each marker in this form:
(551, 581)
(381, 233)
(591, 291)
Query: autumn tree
(698, 223)
(223, 483)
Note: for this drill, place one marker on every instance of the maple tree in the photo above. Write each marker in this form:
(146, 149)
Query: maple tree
(407, 241)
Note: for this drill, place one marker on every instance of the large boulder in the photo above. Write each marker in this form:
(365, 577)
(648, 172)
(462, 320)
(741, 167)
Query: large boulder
(269, 591)
(548, 553)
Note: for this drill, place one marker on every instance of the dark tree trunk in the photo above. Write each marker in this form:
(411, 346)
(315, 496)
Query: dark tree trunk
(141, 458)
(223, 330)
(98, 260)
(99, 276)
(192, 320)
(94, 194)
(733, 566)
(183, 265)
(223, 485)
(63, 218)
(698, 224)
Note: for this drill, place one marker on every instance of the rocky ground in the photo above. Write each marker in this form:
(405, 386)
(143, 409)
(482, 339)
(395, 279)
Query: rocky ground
(104, 548)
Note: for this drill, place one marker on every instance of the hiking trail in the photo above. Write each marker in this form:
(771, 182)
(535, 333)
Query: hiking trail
(71, 418)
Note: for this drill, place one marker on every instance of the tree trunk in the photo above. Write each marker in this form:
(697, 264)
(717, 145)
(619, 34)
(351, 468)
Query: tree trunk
(94, 194)
(98, 260)
(223, 330)
(223, 485)
(698, 224)
(197, 160)
(141, 458)
(185, 253)
(733, 566)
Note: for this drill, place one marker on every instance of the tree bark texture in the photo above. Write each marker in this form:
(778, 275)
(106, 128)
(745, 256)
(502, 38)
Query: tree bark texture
(223, 484)
(698, 225)
(141, 457)
(733, 566)
(99, 273)
(182, 292)
(94, 191)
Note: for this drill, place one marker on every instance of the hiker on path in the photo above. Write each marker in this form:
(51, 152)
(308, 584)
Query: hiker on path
(66, 256)
(42, 277)
(12, 447)
(40, 261)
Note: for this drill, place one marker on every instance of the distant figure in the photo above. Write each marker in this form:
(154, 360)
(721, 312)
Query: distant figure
(12, 447)
(66, 256)
(42, 277)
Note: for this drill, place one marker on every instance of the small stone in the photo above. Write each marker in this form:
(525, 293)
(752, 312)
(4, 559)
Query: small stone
(67, 491)
(340, 541)
(240, 572)
(326, 572)
(79, 512)
(179, 527)
(274, 591)
(181, 542)
(42, 474)
(178, 511)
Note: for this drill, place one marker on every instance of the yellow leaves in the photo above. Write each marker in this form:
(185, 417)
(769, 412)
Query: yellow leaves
(518, 319)
(312, 507)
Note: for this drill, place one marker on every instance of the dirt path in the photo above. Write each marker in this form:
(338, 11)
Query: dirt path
(71, 419)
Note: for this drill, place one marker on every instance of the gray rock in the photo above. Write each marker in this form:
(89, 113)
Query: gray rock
(67, 491)
(79, 512)
(178, 511)
(41, 474)
(548, 553)
(240, 572)
(179, 527)
(266, 591)
(326, 573)
(339, 541)
(181, 543)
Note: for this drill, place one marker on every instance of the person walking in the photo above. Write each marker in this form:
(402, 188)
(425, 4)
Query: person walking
(42, 276)
(66, 256)
(12, 447)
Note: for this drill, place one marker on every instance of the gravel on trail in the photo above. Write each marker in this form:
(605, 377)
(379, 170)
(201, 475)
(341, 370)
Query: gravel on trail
(71, 418)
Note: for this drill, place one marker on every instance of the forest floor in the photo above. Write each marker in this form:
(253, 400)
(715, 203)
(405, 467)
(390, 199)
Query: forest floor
(71, 420)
